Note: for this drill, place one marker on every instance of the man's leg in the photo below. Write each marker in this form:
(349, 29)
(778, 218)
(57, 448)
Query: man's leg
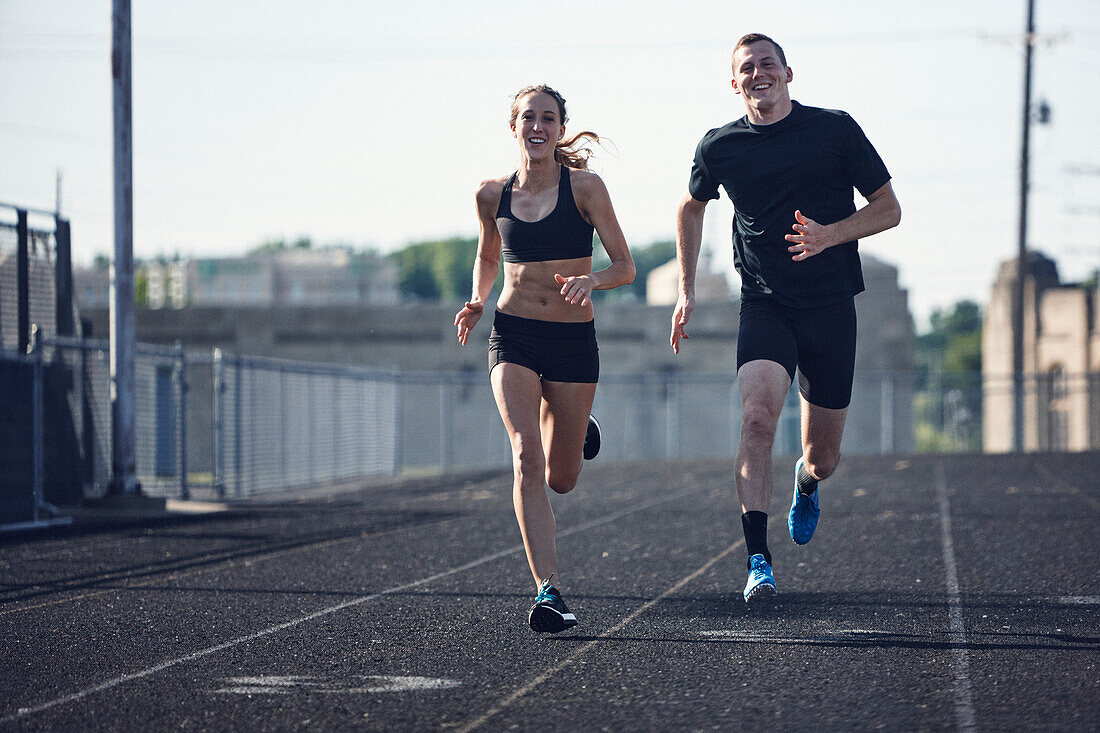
(826, 362)
(822, 430)
(763, 385)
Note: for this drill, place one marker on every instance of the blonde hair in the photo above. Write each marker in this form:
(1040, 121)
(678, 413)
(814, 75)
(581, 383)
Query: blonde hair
(573, 151)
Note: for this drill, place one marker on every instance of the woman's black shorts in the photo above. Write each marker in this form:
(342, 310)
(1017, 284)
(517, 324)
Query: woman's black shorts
(556, 351)
(820, 342)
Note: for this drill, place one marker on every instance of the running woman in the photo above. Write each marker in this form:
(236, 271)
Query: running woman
(543, 357)
(790, 171)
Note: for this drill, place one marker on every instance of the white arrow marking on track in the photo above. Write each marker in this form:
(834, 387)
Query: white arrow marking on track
(283, 685)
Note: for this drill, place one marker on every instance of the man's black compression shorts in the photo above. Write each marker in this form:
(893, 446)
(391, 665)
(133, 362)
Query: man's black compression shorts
(820, 342)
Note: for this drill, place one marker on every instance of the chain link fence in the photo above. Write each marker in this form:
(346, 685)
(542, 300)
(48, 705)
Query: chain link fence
(35, 277)
(218, 425)
(281, 425)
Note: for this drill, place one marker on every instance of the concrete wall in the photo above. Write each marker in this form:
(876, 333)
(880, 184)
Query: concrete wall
(633, 340)
(421, 337)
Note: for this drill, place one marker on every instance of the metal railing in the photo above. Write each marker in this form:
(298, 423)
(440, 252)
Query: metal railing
(221, 425)
(280, 425)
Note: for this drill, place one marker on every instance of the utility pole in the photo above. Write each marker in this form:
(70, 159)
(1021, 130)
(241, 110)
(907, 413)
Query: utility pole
(1021, 251)
(123, 446)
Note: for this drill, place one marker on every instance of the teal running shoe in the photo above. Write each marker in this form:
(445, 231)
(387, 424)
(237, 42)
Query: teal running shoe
(550, 614)
(761, 583)
(802, 521)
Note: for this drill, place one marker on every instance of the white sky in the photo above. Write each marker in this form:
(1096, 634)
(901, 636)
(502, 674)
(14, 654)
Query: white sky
(370, 123)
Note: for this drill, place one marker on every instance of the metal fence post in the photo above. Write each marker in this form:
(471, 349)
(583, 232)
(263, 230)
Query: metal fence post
(281, 372)
(218, 433)
(398, 425)
(63, 279)
(335, 428)
(38, 429)
(445, 423)
(252, 372)
(311, 428)
(886, 414)
(237, 439)
(181, 419)
(672, 415)
(22, 286)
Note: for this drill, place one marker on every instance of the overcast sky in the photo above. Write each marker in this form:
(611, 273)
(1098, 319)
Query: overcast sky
(371, 123)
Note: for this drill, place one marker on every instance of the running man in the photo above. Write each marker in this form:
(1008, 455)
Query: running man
(790, 171)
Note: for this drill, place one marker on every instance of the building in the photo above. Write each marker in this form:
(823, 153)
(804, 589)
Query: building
(92, 286)
(1061, 330)
(295, 277)
(166, 284)
(662, 285)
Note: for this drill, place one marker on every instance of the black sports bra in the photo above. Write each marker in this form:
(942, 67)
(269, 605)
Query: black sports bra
(561, 235)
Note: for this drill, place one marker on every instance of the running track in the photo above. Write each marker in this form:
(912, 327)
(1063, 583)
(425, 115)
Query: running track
(941, 593)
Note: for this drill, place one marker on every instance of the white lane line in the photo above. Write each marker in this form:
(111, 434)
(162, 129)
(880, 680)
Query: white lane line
(964, 706)
(834, 637)
(510, 699)
(1080, 600)
(115, 682)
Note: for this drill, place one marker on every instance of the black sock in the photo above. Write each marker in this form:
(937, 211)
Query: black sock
(807, 484)
(755, 526)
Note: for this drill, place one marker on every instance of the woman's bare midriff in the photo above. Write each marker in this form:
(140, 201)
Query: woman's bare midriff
(530, 290)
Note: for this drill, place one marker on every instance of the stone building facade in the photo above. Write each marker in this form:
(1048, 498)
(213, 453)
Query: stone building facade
(1061, 329)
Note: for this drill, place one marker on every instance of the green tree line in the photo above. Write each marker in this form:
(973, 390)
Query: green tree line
(443, 269)
(948, 406)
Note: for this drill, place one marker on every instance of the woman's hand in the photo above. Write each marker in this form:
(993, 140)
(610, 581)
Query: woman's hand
(577, 290)
(467, 318)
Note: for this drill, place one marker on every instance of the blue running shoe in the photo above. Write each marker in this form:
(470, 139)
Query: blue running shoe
(592, 439)
(761, 584)
(550, 614)
(802, 521)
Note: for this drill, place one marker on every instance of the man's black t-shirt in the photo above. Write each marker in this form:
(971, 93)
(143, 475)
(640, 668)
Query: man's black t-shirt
(810, 161)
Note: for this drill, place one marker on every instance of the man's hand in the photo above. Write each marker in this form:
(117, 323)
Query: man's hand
(811, 238)
(685, 304)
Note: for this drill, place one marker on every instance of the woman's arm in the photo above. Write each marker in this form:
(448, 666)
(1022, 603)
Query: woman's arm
(594, 203)
(487, 262)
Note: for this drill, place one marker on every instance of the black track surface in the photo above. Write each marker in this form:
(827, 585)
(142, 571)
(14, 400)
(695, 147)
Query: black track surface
(940, 593)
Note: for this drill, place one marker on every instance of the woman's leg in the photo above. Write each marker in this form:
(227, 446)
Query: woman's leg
(518, 392)
(565, 410)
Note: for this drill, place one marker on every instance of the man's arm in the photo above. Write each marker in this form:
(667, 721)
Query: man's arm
(881, 213)
(689, 238)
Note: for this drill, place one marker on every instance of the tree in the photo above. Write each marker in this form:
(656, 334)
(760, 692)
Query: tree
(281, 245)
(141, 287)
(646, 259)
(441, 269)
(416, 277)
(949, 358)
(437, 269)
(453, 265)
